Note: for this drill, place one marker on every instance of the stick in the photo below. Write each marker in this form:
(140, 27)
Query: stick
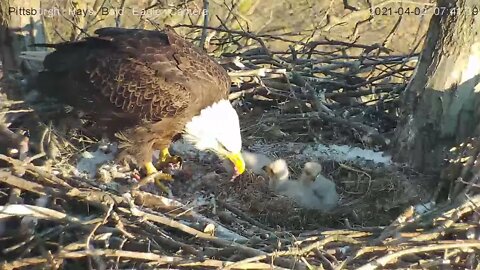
(146, 256)
(295, 252)
(205, 10)
(22, 210)
(220, 242)
(382, 261)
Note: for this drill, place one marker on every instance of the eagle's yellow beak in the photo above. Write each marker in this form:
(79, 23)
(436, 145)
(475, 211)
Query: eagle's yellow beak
(238, 162)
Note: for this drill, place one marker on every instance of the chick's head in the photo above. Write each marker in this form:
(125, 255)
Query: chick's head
(311, 170)
(278, 169)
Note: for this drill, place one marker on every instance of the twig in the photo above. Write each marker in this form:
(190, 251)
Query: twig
(42, 148)
(22, 210)
(13, 140)
(35, 169)
(241, 214)
(94, 198)
(295, 252)
(90, 235)
(169, 241)
(241, 33)
(17, 111)
(179, 226)
(205, 23)
(145, 256)
(382, 261)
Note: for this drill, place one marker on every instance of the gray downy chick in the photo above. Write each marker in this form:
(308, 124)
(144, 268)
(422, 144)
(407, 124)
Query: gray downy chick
(306, 193)
(323, 188)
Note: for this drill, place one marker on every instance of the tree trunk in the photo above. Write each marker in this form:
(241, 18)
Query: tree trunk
(442, 99)
(17, 32)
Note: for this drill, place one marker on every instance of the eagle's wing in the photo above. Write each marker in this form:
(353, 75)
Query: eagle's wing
(147, 74)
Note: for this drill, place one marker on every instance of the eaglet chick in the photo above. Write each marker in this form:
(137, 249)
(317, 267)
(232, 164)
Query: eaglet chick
(322, 187)
(311, 191)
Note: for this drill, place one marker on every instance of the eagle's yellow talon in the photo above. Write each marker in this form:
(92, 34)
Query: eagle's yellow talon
(166, 157)
(163, 187)
(150, 168)
(158, 181)
(163, 177)
(158, 177)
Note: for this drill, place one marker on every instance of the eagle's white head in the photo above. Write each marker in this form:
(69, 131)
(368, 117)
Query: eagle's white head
(217, 129)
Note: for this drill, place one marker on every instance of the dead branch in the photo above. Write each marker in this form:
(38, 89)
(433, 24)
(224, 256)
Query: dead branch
(223, 243)
(145, 256)
(382, 261)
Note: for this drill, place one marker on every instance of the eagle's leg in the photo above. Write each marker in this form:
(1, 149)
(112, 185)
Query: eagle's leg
(150, 168)
(138, 144)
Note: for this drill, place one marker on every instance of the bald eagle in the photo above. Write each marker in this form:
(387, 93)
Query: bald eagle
(146, 87)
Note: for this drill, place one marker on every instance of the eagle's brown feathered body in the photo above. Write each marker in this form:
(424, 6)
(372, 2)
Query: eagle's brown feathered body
(145, 85)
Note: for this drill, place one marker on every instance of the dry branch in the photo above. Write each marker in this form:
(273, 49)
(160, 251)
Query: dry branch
(158, 260)
(382, 261)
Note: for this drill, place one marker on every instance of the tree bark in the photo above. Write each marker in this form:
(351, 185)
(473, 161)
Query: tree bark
(17, 32)
(441, 102)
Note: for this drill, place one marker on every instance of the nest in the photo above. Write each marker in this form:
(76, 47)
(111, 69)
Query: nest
(52, 220)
